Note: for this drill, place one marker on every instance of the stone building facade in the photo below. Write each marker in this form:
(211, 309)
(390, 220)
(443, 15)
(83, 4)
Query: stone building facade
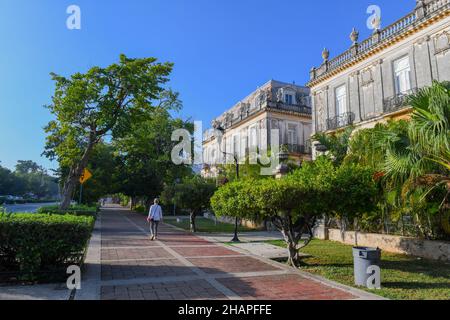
(368, 83)
(247, 125)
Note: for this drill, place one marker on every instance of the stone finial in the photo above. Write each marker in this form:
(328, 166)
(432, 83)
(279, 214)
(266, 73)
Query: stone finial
(325, 54)
(420, 9)
(354, 36)
(376, 24)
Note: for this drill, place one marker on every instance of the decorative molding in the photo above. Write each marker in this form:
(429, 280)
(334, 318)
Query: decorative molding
(442, 42)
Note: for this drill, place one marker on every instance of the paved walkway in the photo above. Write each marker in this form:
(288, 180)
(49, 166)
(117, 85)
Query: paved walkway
(123, 264)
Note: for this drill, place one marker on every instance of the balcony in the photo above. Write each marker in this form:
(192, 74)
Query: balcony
(290, 107)
(341, 121)
(235, 119)
(397, 102)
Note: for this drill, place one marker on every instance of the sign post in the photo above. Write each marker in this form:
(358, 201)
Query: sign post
(85, 176)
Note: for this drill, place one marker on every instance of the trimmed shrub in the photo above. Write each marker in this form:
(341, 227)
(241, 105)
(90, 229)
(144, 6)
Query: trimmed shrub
(78, 210)
(35, 244)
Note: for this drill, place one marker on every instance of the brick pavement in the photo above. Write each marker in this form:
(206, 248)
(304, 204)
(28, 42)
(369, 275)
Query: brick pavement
(182, 266)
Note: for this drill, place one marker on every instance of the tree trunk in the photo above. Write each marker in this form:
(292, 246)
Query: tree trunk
(294, 257)
(343, 228)
(193, 215)
(74, 175)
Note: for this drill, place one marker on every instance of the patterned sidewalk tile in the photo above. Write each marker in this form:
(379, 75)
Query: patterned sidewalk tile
(135, 253)
(122, 270)
(183, 290)
(231, 265)
(283, 287)
(204, 251)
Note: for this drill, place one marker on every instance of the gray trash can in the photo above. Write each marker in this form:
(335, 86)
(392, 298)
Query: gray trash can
(364, 257)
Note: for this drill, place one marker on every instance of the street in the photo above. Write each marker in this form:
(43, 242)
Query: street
(28, 207)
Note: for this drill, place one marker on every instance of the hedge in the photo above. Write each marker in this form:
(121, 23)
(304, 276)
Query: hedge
(78, 210)
(32, 245)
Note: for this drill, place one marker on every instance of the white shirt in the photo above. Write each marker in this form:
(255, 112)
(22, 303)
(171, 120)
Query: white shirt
(155, 212)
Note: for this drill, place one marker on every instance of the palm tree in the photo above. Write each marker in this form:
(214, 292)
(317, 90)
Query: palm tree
(418, 158)
(336, 144)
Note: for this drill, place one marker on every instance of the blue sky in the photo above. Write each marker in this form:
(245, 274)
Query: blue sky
(222, 50)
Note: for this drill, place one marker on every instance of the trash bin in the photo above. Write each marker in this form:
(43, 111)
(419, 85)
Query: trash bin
(364, 257)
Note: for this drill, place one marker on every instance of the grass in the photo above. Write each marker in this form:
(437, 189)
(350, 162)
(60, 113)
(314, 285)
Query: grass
(403, 277)
(206, 225)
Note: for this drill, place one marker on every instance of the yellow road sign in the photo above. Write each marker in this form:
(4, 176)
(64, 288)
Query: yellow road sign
(85, 176)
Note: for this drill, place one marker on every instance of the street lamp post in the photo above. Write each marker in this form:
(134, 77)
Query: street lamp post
(236, 161)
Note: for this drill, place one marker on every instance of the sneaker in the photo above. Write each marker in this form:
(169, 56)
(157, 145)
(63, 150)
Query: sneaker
(152, 238)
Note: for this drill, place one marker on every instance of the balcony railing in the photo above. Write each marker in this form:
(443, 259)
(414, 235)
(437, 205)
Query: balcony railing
(397, 102)
(398, 28)
(341, 121)
(291, 108)
(238, 118)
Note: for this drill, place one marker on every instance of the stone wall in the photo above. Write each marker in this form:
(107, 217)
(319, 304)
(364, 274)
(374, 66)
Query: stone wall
(436, 250)
(243, 222)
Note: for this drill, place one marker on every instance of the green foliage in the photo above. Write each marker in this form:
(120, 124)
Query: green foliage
(337, 144)
(28, 180)
(77, 210)
(233, 200)
(412, 159)
(35, 243)
(102, 165)
(294, 203)
(192, 194)
(144, 163)
(100, 102)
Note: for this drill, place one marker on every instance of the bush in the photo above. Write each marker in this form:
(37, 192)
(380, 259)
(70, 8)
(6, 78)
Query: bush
(140, 209)
(76, 210)
(36, 244)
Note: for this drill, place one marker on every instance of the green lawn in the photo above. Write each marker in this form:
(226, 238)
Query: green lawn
(206, 225)
(403, 277)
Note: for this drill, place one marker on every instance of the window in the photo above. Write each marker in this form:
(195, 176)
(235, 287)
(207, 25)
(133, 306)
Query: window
(341, 100)
(288, 99)
(402, 74)
(292, 134)
(253, 134)
(236, 146)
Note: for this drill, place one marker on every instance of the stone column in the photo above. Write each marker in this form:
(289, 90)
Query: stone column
(420, 9)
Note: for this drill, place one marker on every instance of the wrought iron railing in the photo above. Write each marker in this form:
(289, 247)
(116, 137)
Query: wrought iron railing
(242, 116)
(341, 121)
(397, 102)
(397, 28)
(292, 108)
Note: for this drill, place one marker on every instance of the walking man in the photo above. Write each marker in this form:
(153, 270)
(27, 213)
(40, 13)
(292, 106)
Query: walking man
(155, 216)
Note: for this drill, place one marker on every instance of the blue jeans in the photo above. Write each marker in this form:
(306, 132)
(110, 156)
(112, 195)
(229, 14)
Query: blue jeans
(154, 228)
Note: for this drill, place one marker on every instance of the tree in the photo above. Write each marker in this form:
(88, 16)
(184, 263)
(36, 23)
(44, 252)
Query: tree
(337, 144)
(28, 166)
(102, 164)
(145, 163)
(412, 157)
(100, 102)
(192, 194)
(294, 203)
